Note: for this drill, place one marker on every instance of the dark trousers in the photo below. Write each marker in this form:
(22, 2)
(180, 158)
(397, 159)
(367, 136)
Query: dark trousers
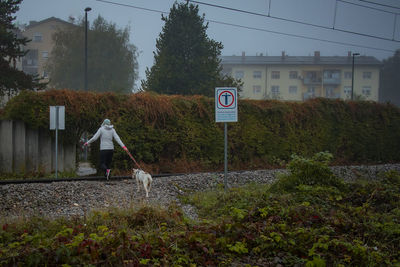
(106, 159)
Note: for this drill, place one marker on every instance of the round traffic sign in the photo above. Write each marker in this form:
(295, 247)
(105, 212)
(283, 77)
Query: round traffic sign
(226, 99)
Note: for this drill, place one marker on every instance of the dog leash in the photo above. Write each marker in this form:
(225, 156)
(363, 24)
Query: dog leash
(130, 155)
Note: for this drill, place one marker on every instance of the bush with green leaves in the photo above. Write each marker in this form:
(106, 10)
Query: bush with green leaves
(312, 171)
(314, 225)
(178, 133)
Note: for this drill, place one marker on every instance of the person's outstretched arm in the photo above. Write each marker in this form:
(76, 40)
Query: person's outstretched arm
(94, 138)
(116, 137)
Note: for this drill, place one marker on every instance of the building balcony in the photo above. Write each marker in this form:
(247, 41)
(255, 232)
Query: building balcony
(312, 81)
(333, 81)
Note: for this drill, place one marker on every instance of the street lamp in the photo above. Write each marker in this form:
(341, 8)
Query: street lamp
(86, 11)
(86, 26)
(352, 75)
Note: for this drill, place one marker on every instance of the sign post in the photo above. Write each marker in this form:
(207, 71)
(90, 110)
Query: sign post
(57, 122)
(226, 111)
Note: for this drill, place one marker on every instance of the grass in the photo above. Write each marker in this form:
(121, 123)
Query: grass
(319, 222)
(355, 225)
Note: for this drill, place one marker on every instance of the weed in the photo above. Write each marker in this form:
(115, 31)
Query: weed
(312, 224)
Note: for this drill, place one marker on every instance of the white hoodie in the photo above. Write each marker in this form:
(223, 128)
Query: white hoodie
(106, 134)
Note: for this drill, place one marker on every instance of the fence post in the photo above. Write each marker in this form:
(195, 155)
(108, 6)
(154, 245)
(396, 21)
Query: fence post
(6, 145)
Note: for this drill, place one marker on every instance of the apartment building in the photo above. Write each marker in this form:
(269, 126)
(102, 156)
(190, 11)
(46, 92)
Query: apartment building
(298, 78)
(39, 48)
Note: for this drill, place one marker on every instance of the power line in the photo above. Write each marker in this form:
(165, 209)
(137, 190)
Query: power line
(373, 8)
(299, 36)
(295, 21)
(253, 28)
(378, 4)
(131, 6)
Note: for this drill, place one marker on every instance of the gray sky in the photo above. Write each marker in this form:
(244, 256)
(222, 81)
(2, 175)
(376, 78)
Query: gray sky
(251, 33)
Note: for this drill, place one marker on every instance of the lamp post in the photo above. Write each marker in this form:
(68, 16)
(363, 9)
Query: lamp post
(352, 75)
(86, 83)
(86, 26)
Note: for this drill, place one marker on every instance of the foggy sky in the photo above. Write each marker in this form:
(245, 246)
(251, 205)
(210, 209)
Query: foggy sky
(242, 32)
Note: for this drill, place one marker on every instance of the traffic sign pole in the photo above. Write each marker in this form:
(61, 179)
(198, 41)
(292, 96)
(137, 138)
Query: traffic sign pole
(225, 155)
(57, 122)
(226, 111)
(57, 114)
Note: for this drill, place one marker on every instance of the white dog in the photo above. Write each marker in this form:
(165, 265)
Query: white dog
(145, 178)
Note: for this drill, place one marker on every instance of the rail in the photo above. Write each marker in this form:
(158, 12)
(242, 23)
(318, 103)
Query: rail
(74, 179)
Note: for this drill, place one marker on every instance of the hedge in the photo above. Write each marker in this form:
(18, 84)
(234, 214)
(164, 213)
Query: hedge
(179, 133)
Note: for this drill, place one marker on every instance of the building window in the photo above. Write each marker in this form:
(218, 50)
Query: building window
(330, 92)
(256, 89)
(239, 74)
(366, 90)
(292, 90)
(257, 74)
(311, 91)
(347, 74)
(275, 90)
(312, 77)
(37, 37)
(31, 58)
(45, 54)
(347, 91)
(293, 74)
(332, 74)
(275, 74)
(367, 75)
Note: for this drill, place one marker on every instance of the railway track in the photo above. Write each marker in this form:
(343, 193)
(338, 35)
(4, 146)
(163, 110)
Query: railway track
(347, 171)
(74, 179)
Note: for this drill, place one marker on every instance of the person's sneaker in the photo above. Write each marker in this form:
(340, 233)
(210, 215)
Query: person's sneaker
(108, 173)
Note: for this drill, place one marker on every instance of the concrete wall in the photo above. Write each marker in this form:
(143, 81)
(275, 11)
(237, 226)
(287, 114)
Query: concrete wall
(27, 150)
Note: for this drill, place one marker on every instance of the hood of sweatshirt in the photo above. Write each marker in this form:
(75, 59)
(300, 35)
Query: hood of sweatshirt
(108, 127)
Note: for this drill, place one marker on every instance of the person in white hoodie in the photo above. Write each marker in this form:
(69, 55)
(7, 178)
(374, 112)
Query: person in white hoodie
(106, 133)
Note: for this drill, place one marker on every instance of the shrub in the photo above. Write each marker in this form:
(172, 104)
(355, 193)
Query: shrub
(313, 171)
(315, 225)
(179, 133)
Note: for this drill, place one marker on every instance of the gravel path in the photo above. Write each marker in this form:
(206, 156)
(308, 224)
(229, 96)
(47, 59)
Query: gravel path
(79, 198)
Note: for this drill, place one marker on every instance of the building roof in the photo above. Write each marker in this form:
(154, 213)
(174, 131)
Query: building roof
(298, 60)
(37, 23)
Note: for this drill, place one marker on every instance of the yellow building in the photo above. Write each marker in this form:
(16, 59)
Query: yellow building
(39, 48)
(299, 78)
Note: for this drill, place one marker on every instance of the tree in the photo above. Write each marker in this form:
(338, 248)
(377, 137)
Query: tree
(390, 79)
(12, 79)
(186, 60)
(112, 60)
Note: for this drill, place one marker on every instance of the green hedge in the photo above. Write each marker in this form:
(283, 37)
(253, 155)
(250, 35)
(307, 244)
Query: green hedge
(176, 133)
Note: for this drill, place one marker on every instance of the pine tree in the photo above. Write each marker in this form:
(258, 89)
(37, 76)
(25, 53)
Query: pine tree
(186, 60)
(12, 80)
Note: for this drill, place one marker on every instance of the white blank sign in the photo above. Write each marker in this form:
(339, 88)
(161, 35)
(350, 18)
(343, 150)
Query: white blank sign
(61, 117)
